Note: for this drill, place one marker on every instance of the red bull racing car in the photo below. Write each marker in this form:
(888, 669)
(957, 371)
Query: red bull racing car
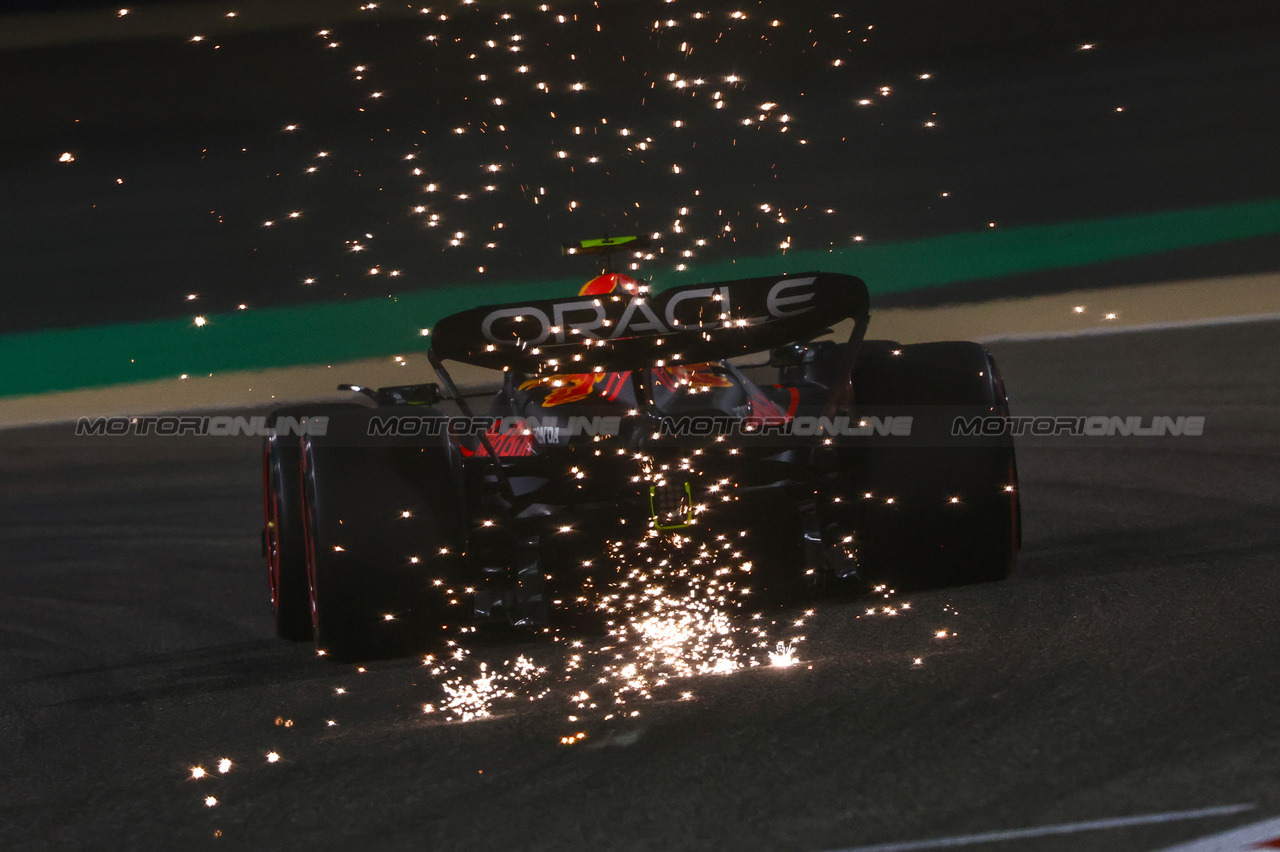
(619, 412)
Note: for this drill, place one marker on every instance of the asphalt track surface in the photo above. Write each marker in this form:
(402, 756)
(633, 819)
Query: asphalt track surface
(1130, 666)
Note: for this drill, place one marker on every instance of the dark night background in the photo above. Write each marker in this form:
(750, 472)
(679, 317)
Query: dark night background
(1026, 131)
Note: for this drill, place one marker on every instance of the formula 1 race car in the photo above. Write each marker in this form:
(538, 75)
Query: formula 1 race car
(622, 413)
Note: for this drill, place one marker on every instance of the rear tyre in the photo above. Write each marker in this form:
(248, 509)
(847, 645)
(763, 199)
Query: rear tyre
(283, 543)
(376, 518)
(939, 509)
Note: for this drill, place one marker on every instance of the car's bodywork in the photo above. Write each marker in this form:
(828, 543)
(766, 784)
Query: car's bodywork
(622, 412)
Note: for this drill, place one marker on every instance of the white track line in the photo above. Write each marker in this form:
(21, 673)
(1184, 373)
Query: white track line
(1235, 840)
(1047, 830)
(1127, 329)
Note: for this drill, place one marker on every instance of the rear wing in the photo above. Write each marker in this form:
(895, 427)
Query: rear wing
(622, 331)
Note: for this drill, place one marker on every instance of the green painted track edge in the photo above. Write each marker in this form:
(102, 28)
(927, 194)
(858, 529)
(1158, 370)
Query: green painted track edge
(68, 359)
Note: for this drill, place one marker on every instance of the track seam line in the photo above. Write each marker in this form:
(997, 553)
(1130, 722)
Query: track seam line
(1047, 830)
(1207, 322)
